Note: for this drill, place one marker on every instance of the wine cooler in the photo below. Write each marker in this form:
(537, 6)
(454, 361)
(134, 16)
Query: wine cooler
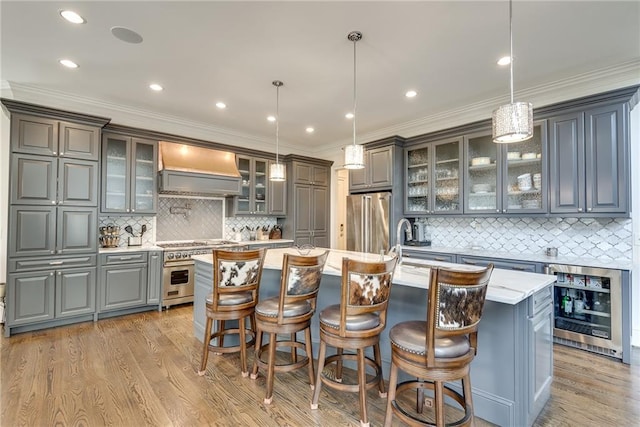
(588, 308)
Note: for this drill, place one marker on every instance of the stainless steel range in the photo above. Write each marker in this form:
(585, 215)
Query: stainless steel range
(178, 267)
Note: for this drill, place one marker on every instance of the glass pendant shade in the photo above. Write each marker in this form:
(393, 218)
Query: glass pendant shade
(513, 122)
(354, 156)
(277, 172)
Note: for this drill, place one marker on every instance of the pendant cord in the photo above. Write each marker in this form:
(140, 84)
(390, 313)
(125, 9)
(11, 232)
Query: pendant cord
(511, 49)
(277, 120)
(354, 91)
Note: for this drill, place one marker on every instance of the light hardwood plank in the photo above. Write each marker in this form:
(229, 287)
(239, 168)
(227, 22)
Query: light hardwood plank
(140, 370)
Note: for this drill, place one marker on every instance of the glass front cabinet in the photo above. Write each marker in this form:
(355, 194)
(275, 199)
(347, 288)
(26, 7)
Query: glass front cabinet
(433, 178)
(253, 199)
(129, 167)
(506, 178)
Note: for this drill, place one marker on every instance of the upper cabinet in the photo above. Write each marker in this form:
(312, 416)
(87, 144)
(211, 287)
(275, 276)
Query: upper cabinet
(377, 173)
(434, 178)
(308, 173)
(49, 137)
(589, 162)
(255, 180)
(506, 178)
(129, 174)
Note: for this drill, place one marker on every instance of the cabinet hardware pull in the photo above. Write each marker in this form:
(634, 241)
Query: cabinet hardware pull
(61, 153)
(518, 268)
(54, 153)
(125, 258)
(579, 209)
(439, 258)
(470, 262)
(53, 202)
(56, 263)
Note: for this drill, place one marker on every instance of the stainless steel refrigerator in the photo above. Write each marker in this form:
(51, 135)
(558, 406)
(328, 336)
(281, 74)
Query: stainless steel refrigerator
(368, 222)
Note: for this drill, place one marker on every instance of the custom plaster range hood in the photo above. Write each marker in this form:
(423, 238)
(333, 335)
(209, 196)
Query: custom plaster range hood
(195, 170)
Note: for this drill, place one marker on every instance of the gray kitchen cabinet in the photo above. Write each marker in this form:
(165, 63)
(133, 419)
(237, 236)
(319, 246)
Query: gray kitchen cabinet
(377, 173)
(309, 173)
(590, 162)
(48, 230)
(407, 254)
(49, 137)
(277, 197)
(75, 292)
(123, 286)
(154, 284)
(255, 186)
(129, 175)
(506, 178)
(40, 296)
(540, 342)
(308, 205)
(433, 175)
(532, 267)
(39, 180)
(30, 297)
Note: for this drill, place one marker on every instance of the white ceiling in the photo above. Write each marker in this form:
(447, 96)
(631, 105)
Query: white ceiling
(202, 52)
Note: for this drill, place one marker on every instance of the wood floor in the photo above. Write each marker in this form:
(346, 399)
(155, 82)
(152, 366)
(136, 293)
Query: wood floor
(141, 370)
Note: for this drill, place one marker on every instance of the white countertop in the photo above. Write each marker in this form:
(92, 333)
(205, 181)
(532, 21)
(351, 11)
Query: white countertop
(505, 286)
(485, 253)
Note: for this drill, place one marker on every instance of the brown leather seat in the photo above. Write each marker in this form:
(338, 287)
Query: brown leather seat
(439, 349)
(356, 323)
(236, 282)
(289, 313)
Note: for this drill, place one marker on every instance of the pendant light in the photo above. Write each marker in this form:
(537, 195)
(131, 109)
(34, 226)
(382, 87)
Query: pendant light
(277, 170)
(512, 122)
(354, 153)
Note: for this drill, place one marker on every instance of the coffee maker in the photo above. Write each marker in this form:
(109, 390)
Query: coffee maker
(421, 233)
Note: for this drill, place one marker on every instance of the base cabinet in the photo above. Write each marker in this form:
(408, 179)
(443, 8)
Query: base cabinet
(51, 294)
(154, 283)
(540, 361)
(123, 286)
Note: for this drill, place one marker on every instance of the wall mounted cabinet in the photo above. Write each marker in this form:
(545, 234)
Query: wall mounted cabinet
(129, 175)
(377, 174)
(434, 177)
(589, 161)
(506, 178)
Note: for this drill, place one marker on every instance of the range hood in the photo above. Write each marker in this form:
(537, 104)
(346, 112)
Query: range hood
(189, 169)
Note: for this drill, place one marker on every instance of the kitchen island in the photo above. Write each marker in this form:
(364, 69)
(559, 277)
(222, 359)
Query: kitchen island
(512, 373)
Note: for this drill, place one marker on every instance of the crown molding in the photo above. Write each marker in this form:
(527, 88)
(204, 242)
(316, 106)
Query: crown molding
(580, 85)
(136, 117)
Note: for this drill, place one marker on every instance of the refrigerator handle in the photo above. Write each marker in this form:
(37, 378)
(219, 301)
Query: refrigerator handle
(366, 223)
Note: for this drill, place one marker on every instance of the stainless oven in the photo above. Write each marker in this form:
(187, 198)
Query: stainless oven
(177, 282)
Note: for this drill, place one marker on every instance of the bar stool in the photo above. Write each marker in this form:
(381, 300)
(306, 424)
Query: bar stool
(441, 348)
(355, 324)
(289, 313)
(236, 282)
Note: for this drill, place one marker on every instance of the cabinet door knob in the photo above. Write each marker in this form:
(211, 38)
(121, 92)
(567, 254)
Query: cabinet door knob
(133, 210)
(498, 210)
(54, 153)
(128, 210)
(59, 273)
(579, 209)
(60, 202)
(61, 153)
(505, 211)
(53, 202)
(589, 209)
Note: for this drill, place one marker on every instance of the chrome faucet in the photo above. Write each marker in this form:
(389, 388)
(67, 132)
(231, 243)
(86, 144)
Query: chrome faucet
(397, 249)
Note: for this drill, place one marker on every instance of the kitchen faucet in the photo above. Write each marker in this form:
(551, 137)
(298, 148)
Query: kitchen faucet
(397, 249)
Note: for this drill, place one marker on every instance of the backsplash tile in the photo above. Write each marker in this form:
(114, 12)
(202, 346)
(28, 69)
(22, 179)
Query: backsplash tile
(189, 219)
(603, 238)
(239, 222)
(135, 222)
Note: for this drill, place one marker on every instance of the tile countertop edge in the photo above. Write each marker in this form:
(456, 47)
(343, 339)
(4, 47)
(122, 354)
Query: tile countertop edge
(505, 286)
(542, 258)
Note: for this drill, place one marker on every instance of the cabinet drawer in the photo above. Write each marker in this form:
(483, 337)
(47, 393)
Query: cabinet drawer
(123, 258)
(531, 267)
(33, 264)
(432, 256)
(540, 300)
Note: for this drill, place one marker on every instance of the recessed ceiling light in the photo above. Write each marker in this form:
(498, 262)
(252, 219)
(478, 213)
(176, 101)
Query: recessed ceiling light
(68, 63)
(271, 118)
(221, 105)
(156, 87)
(505, 60)
(349, 115)
(310, 129)
(72, 17)
(410, 93)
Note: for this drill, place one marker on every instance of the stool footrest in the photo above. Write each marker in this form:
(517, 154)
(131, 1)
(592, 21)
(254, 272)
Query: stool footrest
(283, 367)
(337, 383)
(410, 418)
(230, 349)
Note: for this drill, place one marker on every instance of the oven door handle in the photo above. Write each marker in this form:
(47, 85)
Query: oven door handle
(178, 264)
